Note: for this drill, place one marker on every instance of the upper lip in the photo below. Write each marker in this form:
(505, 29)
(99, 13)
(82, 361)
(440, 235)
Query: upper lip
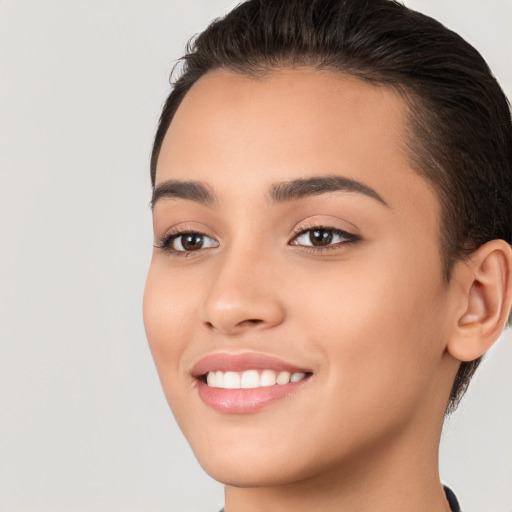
(225, 361)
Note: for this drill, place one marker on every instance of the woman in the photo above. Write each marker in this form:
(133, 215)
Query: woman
(332, 220)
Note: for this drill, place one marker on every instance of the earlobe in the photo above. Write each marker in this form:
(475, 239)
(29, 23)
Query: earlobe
(487, 288)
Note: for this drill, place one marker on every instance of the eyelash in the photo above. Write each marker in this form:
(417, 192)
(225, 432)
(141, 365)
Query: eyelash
(165, 243)
(349, 238)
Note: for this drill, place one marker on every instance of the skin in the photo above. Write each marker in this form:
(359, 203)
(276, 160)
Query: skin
(372, 319)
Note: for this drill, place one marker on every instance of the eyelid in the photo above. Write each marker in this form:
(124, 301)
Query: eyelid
(310, 225)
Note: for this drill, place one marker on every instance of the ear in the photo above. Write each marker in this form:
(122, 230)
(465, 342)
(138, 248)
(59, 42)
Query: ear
(485, 299)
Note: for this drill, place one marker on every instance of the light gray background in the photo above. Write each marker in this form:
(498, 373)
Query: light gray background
(84, 424)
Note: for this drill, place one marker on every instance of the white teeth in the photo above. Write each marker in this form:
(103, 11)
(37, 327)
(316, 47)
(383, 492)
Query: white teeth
(268, 378)
(231, 380)
(251, 379)
(283, 378)
(219, 379)
(210, 379)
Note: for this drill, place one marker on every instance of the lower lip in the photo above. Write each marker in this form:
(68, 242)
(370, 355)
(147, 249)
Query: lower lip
(240, 401)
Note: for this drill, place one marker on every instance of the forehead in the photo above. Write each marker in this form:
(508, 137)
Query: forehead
(242, 133)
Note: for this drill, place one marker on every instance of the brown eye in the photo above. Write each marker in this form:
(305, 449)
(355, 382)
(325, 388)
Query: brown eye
(189, 242)
(321, 236)
(324, 237)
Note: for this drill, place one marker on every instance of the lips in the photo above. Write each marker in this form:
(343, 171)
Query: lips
(242, 383)
(224, 361)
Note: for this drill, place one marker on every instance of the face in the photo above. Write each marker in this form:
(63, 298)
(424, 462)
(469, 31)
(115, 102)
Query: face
(295, 306)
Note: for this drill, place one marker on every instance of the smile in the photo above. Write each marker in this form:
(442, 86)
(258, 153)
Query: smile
(251, 379)
(243, 383)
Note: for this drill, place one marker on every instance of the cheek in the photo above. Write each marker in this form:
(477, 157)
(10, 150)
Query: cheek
(168, 321)
(375, 325)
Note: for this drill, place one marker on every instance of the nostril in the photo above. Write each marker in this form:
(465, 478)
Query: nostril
(236, 327)
(251, 321)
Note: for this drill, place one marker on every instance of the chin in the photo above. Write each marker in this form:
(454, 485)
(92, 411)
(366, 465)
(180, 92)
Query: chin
(257, 472)
(245, 458)
(272, 460)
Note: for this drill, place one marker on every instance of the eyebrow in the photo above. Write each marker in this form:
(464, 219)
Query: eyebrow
(301, 188)
(176, 189)
(278, 192)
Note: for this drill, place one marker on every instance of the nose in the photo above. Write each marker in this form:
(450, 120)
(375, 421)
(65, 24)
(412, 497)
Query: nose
(243, 295)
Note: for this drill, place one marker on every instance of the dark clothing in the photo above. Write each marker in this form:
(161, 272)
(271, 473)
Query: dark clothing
(452, 500)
